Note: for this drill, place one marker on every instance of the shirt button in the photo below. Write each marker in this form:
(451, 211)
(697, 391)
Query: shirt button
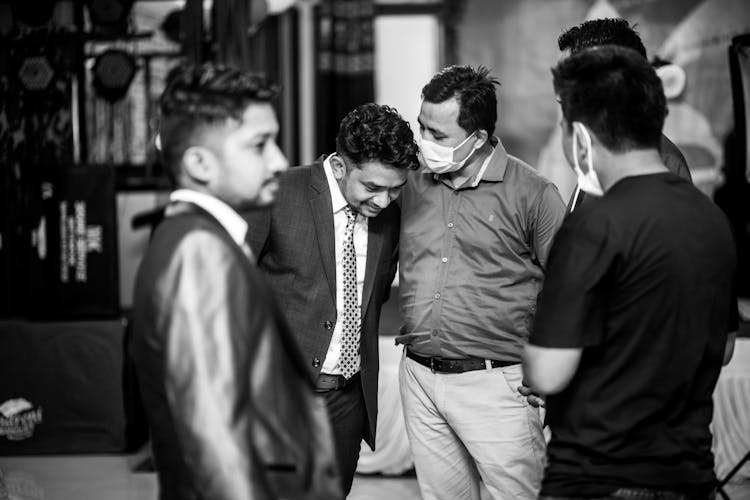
(315, 362)
(450, 224)
(328, 325)
(437, 295)
(444, 260)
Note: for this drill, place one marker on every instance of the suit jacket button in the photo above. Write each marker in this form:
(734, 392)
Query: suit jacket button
(328, 325)
(315, 362)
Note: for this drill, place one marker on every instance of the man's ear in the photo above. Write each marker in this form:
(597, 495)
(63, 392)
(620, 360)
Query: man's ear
(582, 139)
(338, 166)
(482, 138)
(199, 164)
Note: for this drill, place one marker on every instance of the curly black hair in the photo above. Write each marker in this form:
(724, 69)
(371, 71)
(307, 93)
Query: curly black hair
(197, 97)
(609, 31)
(474, 89)
(373, 132)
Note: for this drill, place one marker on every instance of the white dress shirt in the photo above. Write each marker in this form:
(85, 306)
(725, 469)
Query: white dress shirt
(338, 203)
(228, 217)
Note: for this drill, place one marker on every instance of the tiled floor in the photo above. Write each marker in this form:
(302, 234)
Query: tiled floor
(110, 478)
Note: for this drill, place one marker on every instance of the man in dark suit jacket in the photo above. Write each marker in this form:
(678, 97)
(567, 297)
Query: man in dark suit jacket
(232, 416)
(302, 243)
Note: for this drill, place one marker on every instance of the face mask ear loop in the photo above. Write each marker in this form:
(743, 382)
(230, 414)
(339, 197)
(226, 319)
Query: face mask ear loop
(575, 147)
(590, 151)
(453, 150)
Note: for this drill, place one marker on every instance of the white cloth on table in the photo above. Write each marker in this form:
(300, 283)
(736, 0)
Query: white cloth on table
(731, 423)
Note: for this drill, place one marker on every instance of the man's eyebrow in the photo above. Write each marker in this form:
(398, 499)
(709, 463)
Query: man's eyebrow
(376, 185)
(433, 131)
(259, 136)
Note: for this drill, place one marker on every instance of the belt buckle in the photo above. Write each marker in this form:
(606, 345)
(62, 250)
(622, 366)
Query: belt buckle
(432, 364)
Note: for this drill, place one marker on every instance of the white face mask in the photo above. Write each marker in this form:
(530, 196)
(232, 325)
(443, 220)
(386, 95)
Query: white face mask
(588, 182)
(439, 159)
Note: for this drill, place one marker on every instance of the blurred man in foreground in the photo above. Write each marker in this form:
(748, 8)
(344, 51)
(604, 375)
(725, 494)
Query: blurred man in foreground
(231, 414)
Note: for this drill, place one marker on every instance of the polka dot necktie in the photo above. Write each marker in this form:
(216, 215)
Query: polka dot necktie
(349, 360)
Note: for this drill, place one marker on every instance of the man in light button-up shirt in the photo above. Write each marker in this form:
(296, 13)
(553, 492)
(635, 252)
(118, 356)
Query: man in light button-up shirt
(477, 225)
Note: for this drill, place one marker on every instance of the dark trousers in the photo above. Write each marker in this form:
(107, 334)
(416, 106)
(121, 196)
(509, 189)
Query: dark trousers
(346, 410)
(643, 494)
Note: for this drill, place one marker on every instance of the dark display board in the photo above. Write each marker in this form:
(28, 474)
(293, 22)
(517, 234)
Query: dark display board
(72, 266)
(734, 196)
(62, 388)
(739, 66)
(36, 135)
(58, 234)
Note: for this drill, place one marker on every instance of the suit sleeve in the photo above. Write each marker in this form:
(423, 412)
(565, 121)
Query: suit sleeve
(198, 295)
(396, 231)
(547, 215)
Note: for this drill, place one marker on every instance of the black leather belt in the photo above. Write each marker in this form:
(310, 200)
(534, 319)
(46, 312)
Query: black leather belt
(443, 365)
(326, 382)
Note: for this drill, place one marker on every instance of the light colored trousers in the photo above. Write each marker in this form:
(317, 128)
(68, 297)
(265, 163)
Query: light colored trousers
(472, 426)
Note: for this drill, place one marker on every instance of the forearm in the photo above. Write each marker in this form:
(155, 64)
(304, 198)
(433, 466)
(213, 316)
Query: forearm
(549, 370)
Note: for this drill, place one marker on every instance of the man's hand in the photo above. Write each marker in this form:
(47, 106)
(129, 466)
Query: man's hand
(534, 400)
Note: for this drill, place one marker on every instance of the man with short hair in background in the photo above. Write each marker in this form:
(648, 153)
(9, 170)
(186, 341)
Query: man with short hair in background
(616, 31)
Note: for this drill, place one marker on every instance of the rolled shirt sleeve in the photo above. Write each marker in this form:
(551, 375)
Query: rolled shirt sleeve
(548, 213)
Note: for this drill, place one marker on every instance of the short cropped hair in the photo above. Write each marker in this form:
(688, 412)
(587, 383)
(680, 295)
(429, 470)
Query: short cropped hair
(474, 90)
(198, 98)
(609, 31)
(373, 132)
(616, 93)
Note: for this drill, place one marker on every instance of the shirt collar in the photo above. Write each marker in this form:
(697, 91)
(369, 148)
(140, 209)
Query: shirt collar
(234, 224)
(338, 202)
(494, 170)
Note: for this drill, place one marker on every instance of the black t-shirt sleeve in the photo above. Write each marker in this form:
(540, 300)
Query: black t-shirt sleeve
(571, 306)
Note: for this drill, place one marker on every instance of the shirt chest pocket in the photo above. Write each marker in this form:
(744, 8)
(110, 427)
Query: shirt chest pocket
(492, 236)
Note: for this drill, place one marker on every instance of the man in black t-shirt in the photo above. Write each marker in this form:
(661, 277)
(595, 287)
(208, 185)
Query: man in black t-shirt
(632, 323)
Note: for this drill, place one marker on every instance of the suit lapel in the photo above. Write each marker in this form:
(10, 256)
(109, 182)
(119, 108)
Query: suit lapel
(374, 246)
(322, 213)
